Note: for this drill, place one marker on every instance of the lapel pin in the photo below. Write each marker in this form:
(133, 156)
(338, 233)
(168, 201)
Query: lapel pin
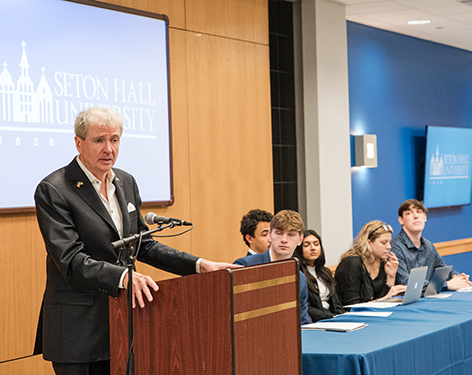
(79, 184)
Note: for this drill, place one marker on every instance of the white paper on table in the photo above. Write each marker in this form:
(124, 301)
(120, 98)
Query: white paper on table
(440, 295)
(379, 305)
(382, 314)
(335, 326)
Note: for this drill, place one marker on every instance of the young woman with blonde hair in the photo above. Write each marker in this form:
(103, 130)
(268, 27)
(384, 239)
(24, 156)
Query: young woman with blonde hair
(367, 270)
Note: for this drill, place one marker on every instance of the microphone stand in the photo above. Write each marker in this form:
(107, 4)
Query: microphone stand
(127, 258)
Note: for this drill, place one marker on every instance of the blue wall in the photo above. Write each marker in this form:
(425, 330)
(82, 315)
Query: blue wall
(461, 262)
(397, 86)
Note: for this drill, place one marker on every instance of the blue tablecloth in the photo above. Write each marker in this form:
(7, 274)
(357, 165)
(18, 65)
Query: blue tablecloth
(431, 336)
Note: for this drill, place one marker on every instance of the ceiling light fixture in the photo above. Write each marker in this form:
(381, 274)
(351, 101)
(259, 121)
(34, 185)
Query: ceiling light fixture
(418, 22)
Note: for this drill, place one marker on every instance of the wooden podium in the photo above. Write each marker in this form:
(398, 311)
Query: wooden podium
(241, 321)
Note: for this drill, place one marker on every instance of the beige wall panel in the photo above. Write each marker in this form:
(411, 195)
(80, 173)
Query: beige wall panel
(239, 19)
(174, 9)
(180, 153)
(34, 365)
(22, 278)
(230, 140)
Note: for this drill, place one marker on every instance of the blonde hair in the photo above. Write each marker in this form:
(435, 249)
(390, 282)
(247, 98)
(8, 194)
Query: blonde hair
(370, 231)
(287, 220)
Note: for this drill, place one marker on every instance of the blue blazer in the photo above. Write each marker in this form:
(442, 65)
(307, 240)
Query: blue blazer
(252, 260)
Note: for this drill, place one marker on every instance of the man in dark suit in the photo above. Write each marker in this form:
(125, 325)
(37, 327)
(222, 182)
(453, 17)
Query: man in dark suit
(286, 233)
(81, 209)
(255, 228)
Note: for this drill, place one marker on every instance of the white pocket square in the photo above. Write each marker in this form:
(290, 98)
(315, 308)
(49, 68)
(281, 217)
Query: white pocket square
(131, 207)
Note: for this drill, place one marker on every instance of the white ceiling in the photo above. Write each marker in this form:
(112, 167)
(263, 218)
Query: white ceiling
(451, 20)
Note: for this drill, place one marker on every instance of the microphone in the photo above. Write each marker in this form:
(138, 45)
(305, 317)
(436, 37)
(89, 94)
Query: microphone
(151, 218)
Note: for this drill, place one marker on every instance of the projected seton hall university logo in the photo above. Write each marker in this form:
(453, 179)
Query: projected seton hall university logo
(20, 102)
(436, 164)
(448, 166)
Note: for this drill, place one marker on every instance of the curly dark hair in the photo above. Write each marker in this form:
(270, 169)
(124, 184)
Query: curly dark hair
(251, 219)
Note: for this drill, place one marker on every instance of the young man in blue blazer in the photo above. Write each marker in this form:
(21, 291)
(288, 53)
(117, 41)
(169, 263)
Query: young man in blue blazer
(286, 233)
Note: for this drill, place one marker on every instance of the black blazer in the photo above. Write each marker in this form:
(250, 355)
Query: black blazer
(81, 264)
(316, 309)
(354, 284)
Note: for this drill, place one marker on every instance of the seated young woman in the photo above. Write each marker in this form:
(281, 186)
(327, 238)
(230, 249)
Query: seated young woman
(367, 270)
(323, 303)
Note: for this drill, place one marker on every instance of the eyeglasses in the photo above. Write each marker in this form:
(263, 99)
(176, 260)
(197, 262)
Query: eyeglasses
(386, 228)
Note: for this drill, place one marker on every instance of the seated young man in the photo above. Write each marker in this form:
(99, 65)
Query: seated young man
(413, 250)
(255, 228)
(286, 233)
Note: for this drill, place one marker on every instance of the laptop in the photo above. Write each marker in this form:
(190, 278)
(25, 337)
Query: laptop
(437, 281)
(413, 288)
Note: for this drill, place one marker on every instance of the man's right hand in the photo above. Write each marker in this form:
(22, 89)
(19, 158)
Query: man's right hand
(141, 284)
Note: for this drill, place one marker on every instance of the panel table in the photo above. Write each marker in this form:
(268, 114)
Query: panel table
(431, 336)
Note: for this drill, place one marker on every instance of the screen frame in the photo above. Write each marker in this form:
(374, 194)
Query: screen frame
(138, 12)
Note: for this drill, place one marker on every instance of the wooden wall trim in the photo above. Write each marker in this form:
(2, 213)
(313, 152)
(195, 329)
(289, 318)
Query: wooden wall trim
(454, 247)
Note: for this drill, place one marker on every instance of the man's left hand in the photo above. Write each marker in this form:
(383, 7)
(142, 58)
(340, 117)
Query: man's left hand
(208, 266)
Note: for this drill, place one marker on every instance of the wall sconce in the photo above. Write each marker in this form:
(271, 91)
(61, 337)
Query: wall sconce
(365, 150)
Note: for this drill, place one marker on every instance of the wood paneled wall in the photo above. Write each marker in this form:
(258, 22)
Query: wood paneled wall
(222, 156)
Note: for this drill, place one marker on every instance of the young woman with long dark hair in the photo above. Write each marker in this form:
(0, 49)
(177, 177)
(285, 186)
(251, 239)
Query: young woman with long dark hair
(323, 303)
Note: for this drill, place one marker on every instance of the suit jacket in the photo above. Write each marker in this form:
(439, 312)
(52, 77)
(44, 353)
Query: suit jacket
(316, 309)
(252, 260)
(81, 263)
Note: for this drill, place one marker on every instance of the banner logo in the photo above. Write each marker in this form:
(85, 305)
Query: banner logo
(71, 93)
(447, 166)
(21, 102)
